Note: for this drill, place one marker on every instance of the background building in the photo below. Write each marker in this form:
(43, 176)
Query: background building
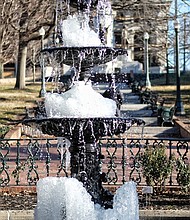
(132, 19)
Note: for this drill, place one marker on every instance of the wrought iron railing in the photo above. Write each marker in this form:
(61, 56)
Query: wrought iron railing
(25, 161)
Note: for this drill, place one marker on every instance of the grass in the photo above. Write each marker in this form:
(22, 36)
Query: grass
(14, 102)
(169, 91)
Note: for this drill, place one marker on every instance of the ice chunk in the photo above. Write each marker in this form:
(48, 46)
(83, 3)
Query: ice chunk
(63, 199)
(66, 199)
(77, 33)
(80, 101)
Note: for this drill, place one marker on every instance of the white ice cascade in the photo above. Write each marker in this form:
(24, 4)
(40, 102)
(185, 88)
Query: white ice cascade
(66, 199)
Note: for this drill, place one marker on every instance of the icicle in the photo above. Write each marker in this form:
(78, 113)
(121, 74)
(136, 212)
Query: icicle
(68, 155)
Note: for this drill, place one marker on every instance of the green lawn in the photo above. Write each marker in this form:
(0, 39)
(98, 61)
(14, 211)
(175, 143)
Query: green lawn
(169, 91)
(14, 102)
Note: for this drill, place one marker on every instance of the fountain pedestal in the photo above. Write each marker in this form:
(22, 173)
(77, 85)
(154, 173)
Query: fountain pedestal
(86, 168)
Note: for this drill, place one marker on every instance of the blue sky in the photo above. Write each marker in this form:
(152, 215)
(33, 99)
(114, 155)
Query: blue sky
(183, 7)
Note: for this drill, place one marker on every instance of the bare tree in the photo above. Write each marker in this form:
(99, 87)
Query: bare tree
(157, 18)
(8, 36)
(140, 16)
(33, 15)
(20, 21)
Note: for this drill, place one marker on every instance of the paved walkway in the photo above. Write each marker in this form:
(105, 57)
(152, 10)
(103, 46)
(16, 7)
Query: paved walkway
(132, 107)
(144, 215)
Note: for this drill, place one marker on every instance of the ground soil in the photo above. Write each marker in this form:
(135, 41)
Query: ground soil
(166, 201)
(27, 200)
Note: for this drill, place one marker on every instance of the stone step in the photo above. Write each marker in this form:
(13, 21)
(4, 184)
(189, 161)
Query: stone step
(131, 99)
(155, 131)
(134, 106)
(149, 121)
(131, 111)
(131, 107)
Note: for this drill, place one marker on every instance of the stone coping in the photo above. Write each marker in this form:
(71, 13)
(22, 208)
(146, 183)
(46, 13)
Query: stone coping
(17, 215)
(148, 214)
(184, 129)
(165, 213)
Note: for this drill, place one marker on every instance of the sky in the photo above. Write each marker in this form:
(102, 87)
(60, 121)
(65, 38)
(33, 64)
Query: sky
(183, 7)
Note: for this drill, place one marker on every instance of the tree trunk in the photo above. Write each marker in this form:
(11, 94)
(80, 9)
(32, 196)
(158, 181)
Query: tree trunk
(34, 73)
(1, 70)
(21, 68)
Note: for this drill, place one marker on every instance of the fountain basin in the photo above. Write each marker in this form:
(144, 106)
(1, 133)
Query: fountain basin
(89, 129)
(84, 57)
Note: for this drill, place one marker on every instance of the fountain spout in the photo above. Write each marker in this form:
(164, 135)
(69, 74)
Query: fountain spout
(83, 5)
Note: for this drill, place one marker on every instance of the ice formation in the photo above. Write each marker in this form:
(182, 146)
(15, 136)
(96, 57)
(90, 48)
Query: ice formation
(66, 199)
(77, 33)
(80, 101)
(63, 199)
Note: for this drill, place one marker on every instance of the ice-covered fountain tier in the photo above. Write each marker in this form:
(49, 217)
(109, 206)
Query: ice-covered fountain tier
(83, 58)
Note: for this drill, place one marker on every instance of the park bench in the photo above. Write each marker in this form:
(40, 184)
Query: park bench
(152, 99)
(147, 96)
(137, 87)
(155, 103)
(165, 116)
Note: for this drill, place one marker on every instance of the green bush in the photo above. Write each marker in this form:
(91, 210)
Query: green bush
(183, 177)
(3, 131)
(156, 166)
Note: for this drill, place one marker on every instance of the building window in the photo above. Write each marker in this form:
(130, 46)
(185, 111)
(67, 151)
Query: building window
(117, 37)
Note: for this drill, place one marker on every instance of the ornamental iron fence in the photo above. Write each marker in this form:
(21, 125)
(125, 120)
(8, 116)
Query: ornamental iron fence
(24, 161)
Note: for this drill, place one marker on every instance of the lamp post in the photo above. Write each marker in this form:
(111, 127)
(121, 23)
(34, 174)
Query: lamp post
(146, 60)
(179, 103)
(184, 44)
(43, 89)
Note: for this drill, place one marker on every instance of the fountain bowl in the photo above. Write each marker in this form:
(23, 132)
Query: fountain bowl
(84, 57)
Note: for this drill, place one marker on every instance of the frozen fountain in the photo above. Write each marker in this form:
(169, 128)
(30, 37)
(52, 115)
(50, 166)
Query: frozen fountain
(82, 116)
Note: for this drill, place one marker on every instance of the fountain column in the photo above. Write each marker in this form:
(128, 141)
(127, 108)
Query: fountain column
(86, 163)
